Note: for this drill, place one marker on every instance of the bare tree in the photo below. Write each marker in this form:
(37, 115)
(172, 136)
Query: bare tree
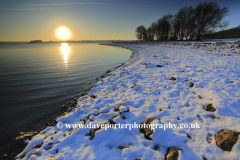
(141, 33)
(176, 28)
(180, 22)
(164, 27)
(208, 16)
(150, 33)
(159, 30)
(190, 23)
(167, 26)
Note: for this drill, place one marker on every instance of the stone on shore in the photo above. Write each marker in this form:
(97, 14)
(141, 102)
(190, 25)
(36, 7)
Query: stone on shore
(226, 139)
(209, 108)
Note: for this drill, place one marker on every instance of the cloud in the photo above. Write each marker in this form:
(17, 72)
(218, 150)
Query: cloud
(64, 4)
(23, 9)
(38, 6)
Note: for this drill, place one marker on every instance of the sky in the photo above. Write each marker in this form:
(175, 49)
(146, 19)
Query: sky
(25, 20)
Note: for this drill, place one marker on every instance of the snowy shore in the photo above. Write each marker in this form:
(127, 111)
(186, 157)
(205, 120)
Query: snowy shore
(163, 83)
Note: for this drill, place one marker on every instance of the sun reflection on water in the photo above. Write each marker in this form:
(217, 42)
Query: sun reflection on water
(65, 50)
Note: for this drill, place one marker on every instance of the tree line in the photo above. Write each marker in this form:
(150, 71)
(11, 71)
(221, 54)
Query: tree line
(188, 23)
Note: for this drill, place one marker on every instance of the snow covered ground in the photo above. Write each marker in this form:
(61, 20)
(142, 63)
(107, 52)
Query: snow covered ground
(226, 40)
(205, 74)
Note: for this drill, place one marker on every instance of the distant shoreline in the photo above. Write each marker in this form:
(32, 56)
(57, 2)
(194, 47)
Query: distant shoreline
(84, 41)
(119, 41)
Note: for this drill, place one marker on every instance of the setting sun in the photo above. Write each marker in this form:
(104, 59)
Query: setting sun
(63, 33)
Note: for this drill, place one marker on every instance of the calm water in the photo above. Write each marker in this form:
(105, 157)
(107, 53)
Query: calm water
(37, 79)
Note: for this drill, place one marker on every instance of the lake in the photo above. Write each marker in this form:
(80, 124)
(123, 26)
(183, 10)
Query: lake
(38, 79)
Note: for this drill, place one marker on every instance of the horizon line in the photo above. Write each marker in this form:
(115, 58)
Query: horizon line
(68, 40)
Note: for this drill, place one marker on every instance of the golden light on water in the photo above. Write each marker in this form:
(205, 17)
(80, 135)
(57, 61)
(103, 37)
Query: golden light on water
(63, 33)
(65, 50)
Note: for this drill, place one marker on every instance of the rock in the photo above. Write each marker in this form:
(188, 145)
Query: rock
(96, 78)
(89, 83)
(189, 136)
(137, 159)
(93, 131)
(172, 153)
(121, 108)
(64, 107)
(50, 143)
(24, 136)
(134, 86)
(82, 94)
(191, 85)
(92, 116)
(108, 71)
(214, 117)
(73, 104)
(111, 120)
(173, 78)
(209, 108)
(93, 96)
(147, 131)
(27, 151)
(200, 97)
(159, 65)
(226, 139)
(122, 147)
(84, 121)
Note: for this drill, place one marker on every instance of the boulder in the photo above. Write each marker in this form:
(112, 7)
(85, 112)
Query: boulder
(122, 147)
(111, 120)
(226, 139)
(173, 78)
(93, 96)
(93, 132)
(121, 108)
(191, 85)
(147, 131)
(209, 108)
(172, 153)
